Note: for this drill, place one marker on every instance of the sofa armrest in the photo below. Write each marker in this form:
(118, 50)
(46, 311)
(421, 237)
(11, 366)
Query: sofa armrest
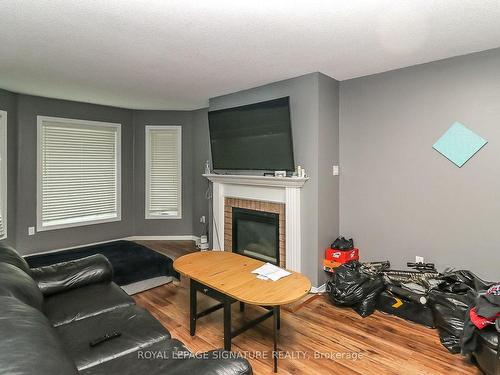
(64, 276)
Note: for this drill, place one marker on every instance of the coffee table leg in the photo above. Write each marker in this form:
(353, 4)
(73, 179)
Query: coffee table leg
(276, 318)
(227, 325)
(279, 317)
(242, 306)
(192, 308)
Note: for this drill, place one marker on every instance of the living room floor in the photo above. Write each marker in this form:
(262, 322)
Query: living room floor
(384, 344)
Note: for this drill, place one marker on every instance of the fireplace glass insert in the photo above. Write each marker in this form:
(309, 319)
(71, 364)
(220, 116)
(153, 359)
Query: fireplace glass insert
(256, 234)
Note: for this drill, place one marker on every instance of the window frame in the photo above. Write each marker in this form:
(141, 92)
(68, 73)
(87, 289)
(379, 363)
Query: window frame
(3, 171)
(147, 164)
(76, 123)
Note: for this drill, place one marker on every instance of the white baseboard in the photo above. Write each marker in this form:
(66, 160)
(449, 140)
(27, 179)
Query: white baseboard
(319, 289)
(188, 237)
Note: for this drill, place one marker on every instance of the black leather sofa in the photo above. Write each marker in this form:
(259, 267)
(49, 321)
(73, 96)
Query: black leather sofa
(487, 354)
(50, 315)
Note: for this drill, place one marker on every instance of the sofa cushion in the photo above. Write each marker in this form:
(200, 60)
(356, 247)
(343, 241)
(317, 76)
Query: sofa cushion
(215, 362)
(148, 360)
(489, 337)
(10, 256)
(487, 359)
(137, 326)
(29, 344)
(16, 283)
(172, 358)
(80, 303)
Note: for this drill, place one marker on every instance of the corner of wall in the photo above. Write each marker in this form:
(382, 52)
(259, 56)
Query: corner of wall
(8, 103)
(328, 156)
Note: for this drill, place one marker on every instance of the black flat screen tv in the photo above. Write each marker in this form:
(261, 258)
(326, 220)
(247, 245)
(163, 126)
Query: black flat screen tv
(252, 137)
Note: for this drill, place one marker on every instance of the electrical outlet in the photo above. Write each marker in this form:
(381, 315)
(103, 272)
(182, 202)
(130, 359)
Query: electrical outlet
(203, 220)
(31, 231)
(419, 259)
(335, 170)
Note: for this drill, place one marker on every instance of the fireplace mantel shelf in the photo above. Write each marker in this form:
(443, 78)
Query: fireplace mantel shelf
(272, 181)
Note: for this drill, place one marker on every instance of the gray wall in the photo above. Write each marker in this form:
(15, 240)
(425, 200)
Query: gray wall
(22, 137)
(400, 198)
(163, 227)
(201, 153)
(29, 107)
(8, 103)
(306, 115)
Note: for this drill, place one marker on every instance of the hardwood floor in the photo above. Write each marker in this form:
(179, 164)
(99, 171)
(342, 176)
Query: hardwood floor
(379, 344)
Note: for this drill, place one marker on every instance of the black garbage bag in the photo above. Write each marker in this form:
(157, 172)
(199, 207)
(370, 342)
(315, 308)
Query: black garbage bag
(351, 287)
(461, 281)
(449, 310)
(450, 302)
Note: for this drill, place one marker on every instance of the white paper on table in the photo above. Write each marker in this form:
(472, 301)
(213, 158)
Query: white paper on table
(271, 271)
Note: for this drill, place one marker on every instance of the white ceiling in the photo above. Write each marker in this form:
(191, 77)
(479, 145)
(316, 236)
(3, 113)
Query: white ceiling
(161, 54)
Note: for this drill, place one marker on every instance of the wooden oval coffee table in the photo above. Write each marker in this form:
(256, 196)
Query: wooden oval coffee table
(228, 278)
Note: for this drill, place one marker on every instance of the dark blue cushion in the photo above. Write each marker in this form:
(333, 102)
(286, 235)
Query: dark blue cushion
(131, 262)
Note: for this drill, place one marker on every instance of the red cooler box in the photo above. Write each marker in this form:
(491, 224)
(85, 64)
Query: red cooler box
(341, 256)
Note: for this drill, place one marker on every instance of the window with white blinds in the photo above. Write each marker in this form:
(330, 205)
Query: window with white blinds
(79, 165)
(3, 175)
(163, 172)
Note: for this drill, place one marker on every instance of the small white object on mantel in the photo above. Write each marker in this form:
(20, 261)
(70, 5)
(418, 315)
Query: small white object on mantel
(262, 188)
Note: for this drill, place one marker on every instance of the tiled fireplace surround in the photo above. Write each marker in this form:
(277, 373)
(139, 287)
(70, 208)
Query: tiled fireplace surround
(276, 208)
(264, 193)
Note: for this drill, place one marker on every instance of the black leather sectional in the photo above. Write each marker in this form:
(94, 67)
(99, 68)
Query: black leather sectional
(50, 315)
(487, 354)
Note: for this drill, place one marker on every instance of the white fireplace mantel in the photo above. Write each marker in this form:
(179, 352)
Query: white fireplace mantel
(263, 188)
(257, 180)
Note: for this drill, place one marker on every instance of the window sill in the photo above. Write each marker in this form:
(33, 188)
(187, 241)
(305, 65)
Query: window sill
(173, 217)
(42, 228)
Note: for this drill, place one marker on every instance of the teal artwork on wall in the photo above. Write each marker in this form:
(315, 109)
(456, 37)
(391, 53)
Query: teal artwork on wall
(459, 144)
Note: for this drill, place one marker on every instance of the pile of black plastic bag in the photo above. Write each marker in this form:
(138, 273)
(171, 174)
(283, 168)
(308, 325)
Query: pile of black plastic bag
(351, 286)
(435, 299)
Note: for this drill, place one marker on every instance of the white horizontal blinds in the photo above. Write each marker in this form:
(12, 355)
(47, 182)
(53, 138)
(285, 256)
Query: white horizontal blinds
(3, 175)
(163, 172)
(79, 173)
